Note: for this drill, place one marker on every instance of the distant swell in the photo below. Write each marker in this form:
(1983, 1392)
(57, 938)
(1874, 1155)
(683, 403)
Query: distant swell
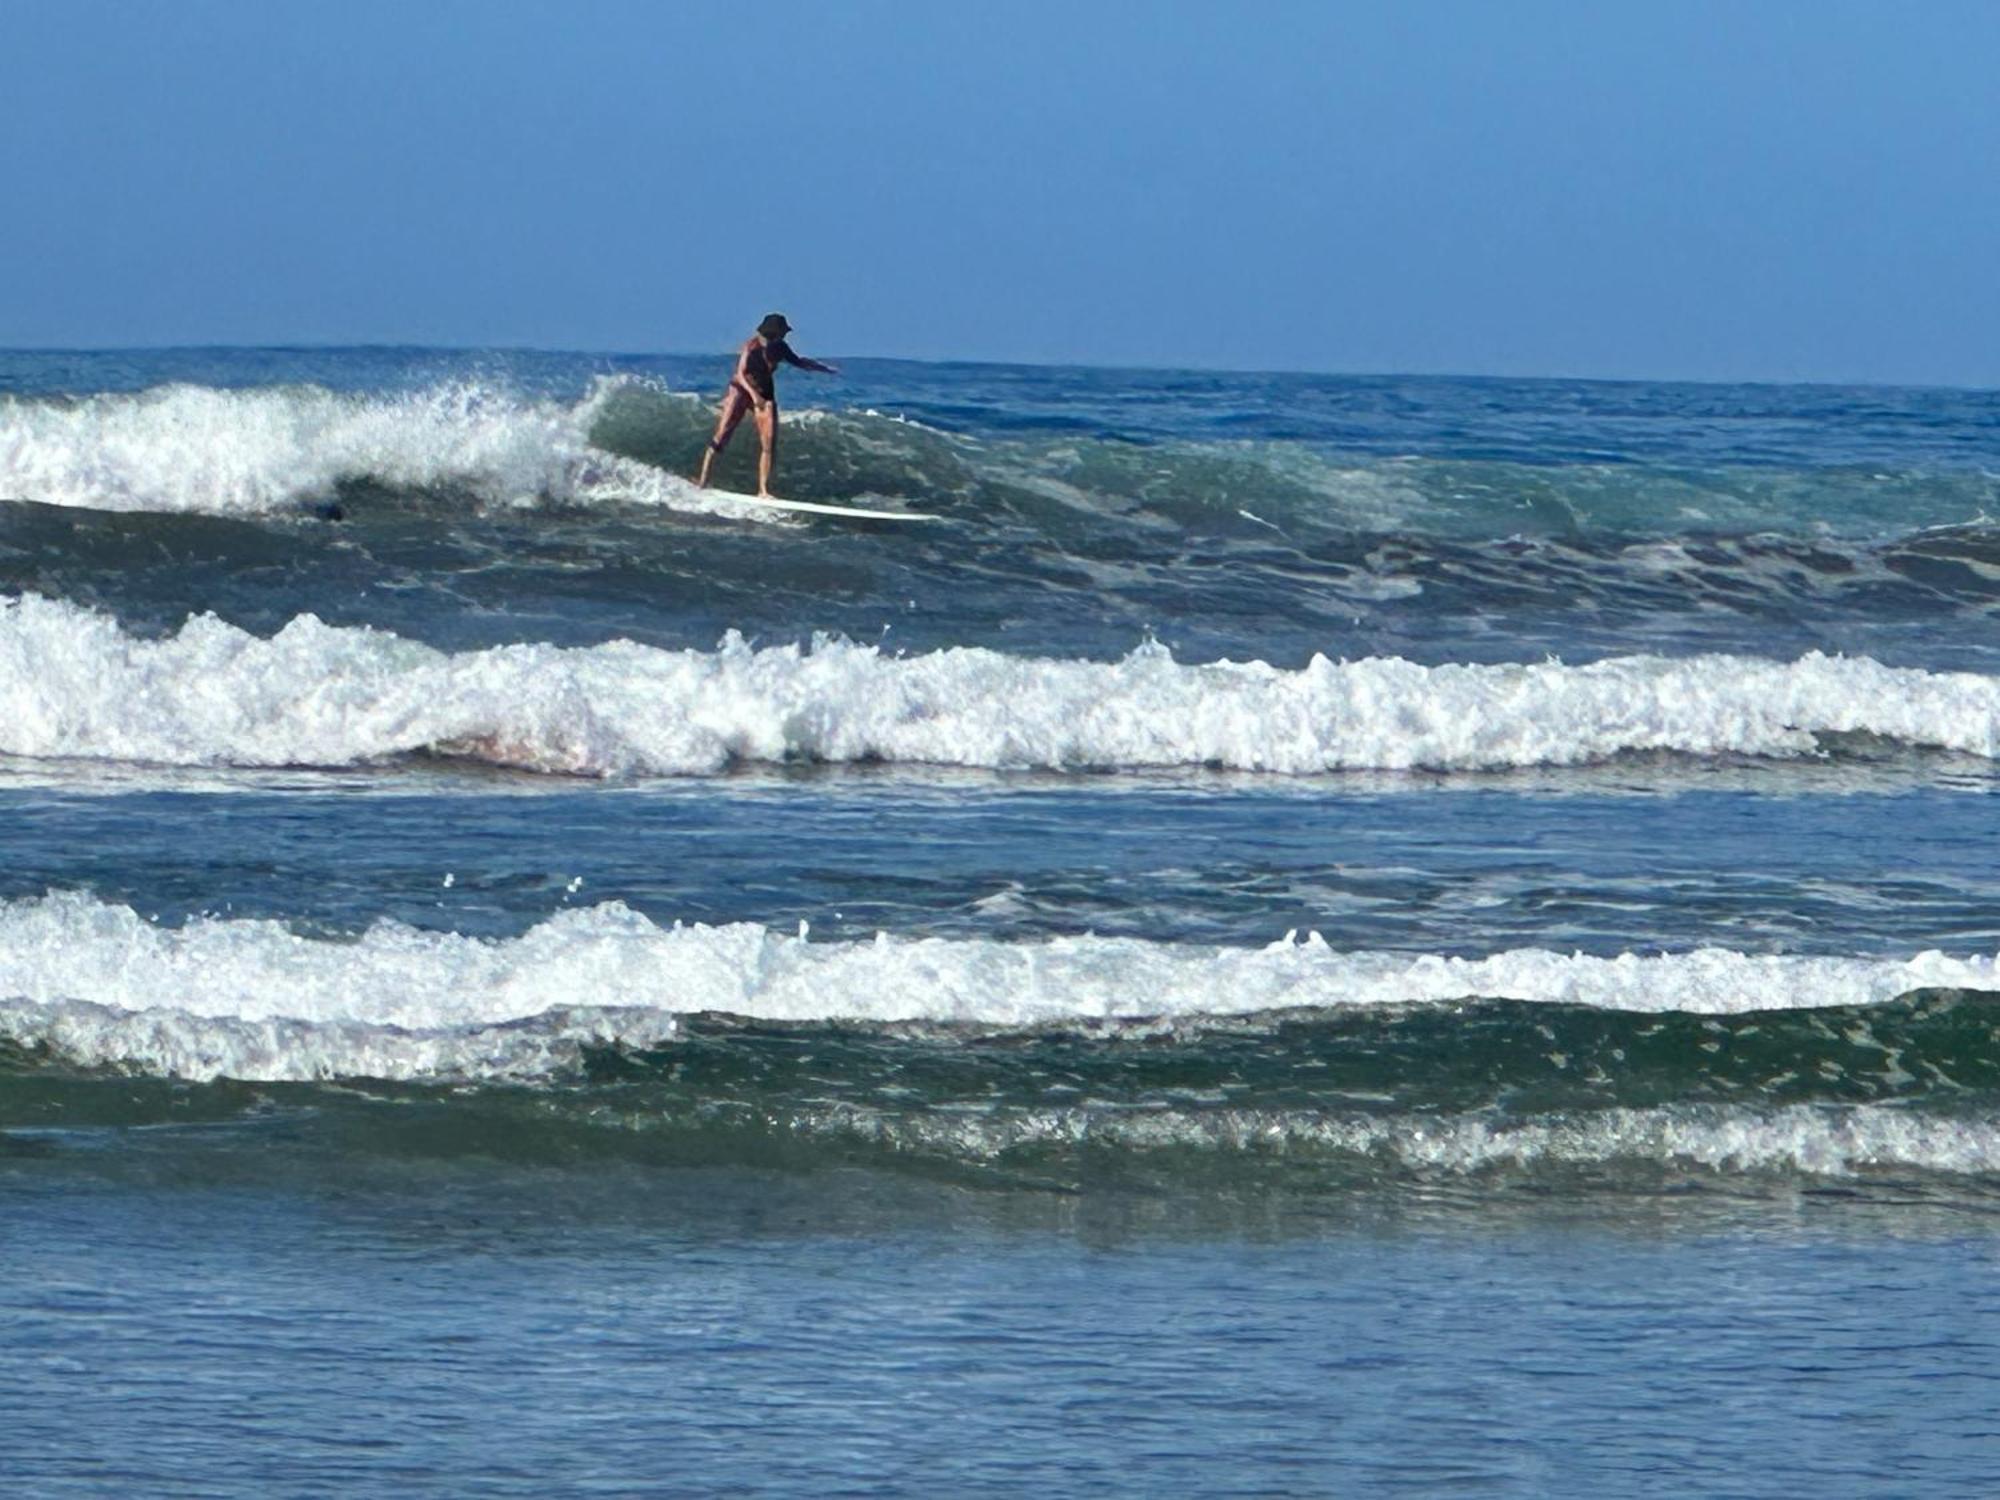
(74, 685)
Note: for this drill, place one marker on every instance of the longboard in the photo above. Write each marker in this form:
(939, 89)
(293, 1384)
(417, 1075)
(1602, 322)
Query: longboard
(813, 507)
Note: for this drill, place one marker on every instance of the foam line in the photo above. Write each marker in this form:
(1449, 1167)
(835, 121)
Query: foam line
(1808, 1139)
(74, 685)
(253, 999)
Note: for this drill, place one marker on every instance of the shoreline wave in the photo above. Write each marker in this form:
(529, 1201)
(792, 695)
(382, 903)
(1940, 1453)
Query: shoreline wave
(75, 686)
(250, 998)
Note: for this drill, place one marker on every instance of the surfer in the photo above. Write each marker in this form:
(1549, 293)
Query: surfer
(754, 388)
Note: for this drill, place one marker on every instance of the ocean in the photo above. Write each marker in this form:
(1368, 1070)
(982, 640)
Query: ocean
(1310, 935)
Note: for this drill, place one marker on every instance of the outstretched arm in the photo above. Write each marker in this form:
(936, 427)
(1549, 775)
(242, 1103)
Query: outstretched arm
(786, 353)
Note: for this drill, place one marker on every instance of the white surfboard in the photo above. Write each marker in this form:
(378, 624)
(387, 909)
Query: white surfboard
(813, 507)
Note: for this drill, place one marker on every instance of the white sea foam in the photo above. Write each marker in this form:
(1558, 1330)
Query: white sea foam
(253, 999)
(74, 685)
(1799, 1138)
(277, 448)
(1812, 1139)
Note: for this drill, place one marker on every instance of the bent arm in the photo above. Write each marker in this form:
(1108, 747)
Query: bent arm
(741, 379)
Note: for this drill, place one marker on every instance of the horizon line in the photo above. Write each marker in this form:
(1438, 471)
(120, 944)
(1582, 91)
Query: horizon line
(1019, 364)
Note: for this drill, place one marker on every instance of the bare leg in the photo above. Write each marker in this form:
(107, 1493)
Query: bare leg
(734, 405)
(767, 431)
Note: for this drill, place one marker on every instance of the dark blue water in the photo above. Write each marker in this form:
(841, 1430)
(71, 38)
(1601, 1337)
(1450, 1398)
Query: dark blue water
(1308, 935)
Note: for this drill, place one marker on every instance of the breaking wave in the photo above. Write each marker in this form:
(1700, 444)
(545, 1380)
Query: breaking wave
(275, 449)
(242, 998)
(74, 685)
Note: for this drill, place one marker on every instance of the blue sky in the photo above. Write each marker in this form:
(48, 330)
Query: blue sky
(1704, 190)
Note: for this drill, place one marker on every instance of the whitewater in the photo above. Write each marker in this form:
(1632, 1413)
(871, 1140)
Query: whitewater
(194, 448)
(294, 451)
(252, 999)
(73, 685)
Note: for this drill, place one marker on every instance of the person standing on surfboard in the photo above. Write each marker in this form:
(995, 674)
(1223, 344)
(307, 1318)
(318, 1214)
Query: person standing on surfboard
(754, 388)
